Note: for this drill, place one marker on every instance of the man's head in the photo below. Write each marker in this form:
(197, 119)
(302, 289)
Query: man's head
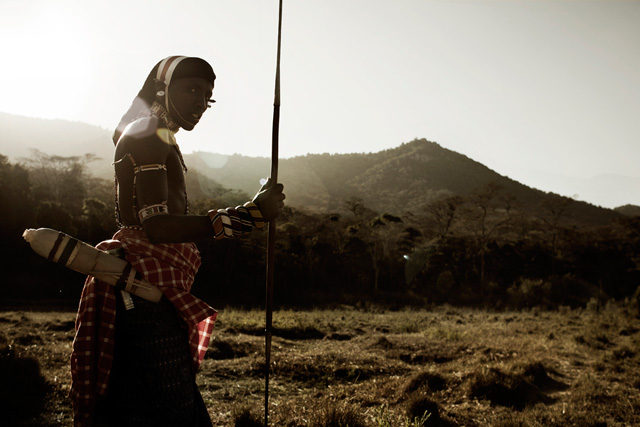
(184, 86)
(177, 83)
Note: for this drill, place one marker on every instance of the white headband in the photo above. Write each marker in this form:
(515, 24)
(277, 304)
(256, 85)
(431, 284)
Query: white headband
(165, 72)
(167, 67)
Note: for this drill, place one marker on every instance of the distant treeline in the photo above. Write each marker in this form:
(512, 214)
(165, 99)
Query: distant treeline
(478, 250)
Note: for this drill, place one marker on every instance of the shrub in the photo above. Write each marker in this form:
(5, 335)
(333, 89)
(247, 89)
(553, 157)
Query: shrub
(23, 389)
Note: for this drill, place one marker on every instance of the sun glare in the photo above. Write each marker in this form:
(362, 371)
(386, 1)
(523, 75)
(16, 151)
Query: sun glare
(48, 67)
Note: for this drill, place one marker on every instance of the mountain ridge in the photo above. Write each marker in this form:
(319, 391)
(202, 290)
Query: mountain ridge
(396, 180)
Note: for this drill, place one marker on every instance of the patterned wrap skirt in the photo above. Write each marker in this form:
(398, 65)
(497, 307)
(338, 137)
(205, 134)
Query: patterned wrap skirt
(150, 336)
(152, 382)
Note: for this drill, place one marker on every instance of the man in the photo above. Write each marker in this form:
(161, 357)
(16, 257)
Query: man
(134, 361)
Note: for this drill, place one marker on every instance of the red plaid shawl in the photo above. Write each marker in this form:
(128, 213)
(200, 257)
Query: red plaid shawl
(170, 267)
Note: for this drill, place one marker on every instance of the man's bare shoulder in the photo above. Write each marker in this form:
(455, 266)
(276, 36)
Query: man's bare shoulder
(147, 140)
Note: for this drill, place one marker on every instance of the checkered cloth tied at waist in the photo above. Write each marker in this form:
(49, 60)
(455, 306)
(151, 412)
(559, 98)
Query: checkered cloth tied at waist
(172, 268)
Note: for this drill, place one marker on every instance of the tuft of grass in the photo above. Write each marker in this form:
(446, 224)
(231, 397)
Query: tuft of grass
(538, 374)
(299, 332)
(245, 417)
(429, 380)
(385, 419)
(448, 333)
(427, 410)
(221, 349)
(382, 343)
(232, 346)
(622, 353)
(510, 390)
(341, 415)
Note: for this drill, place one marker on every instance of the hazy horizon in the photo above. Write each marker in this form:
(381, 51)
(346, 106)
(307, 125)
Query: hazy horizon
(546, 92)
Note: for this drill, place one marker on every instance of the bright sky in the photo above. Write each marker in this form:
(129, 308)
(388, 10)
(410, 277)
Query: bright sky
(546, 92)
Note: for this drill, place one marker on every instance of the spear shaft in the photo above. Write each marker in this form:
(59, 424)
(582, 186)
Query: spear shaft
(272, 224)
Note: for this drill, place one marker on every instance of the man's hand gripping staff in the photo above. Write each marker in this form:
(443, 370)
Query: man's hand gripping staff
(265, 207)
(270, 200)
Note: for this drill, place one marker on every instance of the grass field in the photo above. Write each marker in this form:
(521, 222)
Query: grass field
(372, 368)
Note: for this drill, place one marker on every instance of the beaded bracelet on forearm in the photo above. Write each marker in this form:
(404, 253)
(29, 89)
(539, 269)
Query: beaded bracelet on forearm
(256, 215)
(149, 211)
(232, 222)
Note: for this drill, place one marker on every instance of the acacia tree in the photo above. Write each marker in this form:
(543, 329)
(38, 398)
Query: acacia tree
(380, 236)
(441, 215)
(355, 205)
(98, 220)
(60, 179)
(555, 209)
(55, 215)
(16, 201)
(489, 212)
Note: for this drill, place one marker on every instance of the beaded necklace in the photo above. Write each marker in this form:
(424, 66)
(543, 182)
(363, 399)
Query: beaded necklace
(161, 112)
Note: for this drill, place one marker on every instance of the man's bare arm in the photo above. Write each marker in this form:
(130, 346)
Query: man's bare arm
(153, 189)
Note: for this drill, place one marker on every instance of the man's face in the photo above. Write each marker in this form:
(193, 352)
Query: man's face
(188, 100)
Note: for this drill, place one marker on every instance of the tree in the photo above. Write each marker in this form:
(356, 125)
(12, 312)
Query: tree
(356, 206)
(555, 209)
(380, 235)
(16, 202)
(60, 179)
(54, 215)
(98, 219)
(442, 213)
(489, 211)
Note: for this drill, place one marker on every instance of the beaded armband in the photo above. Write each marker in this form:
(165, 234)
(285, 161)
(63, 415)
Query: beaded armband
(149, 168)
(256, 215)
(150, 211)
(236, 221)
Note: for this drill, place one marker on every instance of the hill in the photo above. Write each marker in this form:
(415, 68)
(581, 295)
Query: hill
(397, 180)
(628, 210)
(22, 134)
(405, 178)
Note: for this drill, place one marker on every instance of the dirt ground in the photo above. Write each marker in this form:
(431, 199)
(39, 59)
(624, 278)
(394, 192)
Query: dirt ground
(464, 367)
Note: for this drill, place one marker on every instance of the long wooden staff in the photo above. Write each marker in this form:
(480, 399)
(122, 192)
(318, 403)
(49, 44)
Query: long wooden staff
(272, 224)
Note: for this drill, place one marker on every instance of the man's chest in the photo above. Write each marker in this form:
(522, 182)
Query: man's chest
(175, 169)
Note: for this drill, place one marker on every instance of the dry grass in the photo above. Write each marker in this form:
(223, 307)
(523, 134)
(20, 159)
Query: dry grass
(374, 368)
